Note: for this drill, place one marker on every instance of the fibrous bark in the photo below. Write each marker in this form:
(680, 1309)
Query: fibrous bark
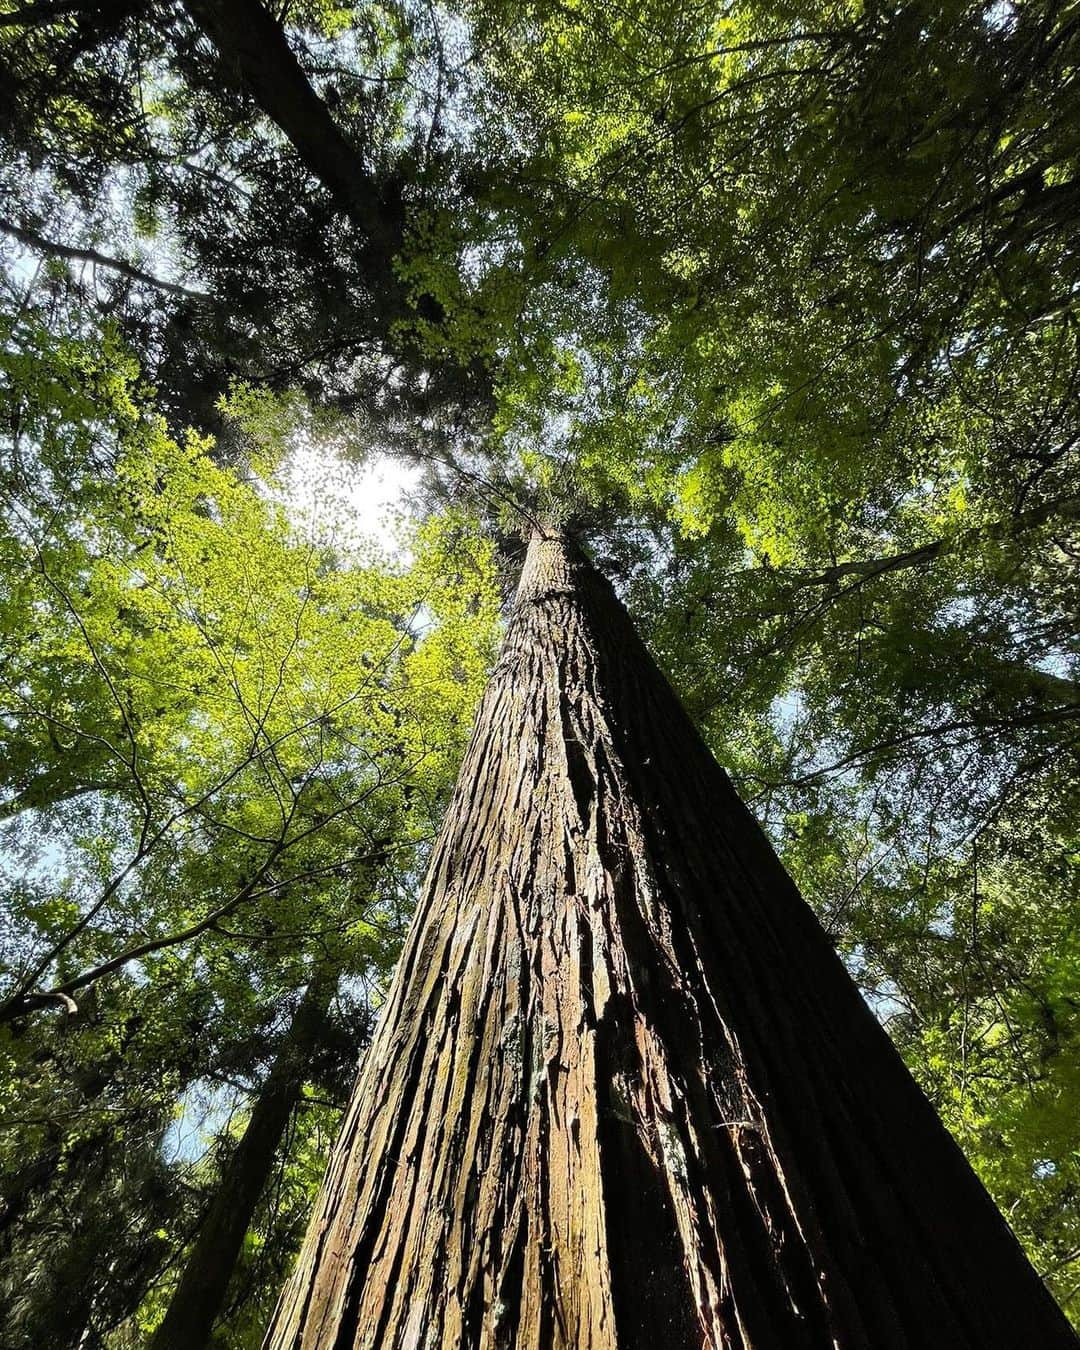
(624, 1093)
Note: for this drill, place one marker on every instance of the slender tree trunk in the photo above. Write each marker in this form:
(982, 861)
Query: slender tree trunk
(200, 1295)
(624, 1093)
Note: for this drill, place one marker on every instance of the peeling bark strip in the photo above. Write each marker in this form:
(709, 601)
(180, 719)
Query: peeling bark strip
(623, 1093)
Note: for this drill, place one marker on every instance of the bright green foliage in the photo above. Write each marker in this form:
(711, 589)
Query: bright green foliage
(809, 260)
(234, 698)
(223, 748)
(774, 305)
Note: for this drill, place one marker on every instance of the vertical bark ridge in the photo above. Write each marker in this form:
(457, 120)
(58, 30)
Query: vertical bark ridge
(623, 1093)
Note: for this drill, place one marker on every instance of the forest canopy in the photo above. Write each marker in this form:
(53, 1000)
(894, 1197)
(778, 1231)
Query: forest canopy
(772, 307)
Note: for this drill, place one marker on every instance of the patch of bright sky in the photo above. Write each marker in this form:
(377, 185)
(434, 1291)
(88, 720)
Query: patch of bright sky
(204, 1110)
(352, 507)
(1001, 14)
(884, 1000)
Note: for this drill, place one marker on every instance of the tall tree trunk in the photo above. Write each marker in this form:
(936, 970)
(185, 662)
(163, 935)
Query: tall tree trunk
(253, 45)
(624, 1093)
(200, 1295)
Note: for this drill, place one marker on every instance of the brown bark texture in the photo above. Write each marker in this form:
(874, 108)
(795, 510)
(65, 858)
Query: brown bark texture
(623, 1092)
(200, 1294)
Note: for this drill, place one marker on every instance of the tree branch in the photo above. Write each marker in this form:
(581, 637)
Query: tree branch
(1063, 508)
(54, 249)
(253, 45)
(22, 1004)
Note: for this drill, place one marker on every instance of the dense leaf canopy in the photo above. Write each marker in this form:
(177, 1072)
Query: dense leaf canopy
(773, 305)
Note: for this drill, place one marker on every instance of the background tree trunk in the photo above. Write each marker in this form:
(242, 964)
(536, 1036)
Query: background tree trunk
(253, 46)
(624, 1093)
(200, 1295)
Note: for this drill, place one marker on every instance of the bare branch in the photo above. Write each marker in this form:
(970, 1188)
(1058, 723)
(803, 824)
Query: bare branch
(1060, 508)
(54, 249)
